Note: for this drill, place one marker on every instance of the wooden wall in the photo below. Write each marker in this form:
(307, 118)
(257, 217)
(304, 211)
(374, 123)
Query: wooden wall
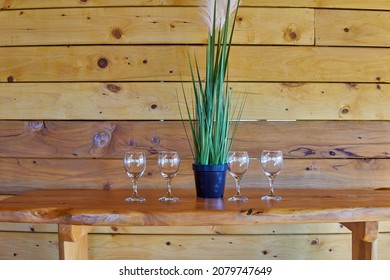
(83, 81)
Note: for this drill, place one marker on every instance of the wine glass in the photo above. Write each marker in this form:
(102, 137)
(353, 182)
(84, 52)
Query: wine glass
(135, 165)
(238, 162)
(271, 162)
(168, 162)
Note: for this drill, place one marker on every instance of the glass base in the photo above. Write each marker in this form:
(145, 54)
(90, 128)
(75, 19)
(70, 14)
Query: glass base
(169, 199)
(135, 199)
(271, 197)
(238, 198)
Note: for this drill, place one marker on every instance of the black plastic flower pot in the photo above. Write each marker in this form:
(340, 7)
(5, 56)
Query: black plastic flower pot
(210, 180)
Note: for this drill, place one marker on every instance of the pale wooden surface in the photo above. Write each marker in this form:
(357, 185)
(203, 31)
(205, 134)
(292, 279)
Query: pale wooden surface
(147, 25)
(73, 242)
(146, 63)
(101, 207)
(310, 246)
(358, 4)
(66, 83)
(159, 101)
(352, 28)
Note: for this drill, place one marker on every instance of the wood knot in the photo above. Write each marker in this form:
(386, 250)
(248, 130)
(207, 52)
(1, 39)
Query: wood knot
(315, 242)
(155, 140)
(113, 88)
(291, 34)
(132, 143)
(344, 110)
(107, 185)
(102, 140)
(117, 33)
(102, 62)
(39, 213)
(36, 126)
(10, 79)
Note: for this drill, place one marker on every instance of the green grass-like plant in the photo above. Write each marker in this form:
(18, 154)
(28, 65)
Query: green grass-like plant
(212, 117)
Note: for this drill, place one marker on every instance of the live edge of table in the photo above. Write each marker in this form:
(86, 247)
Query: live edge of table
(77, 211)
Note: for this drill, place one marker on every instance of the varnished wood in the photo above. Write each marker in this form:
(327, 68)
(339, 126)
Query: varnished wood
(170, 63)
(110, 139)
(161, 101)
(99, 207)
(19, 175)
(148, 25)
(56, 80)
(93, 208)
(352, 28)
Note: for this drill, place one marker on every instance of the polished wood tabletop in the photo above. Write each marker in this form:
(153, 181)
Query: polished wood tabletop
(108, 207)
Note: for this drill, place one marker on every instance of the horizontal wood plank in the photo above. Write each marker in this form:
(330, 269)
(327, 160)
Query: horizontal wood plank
(148, 25)
(198, 230)
(160, 101)
(18, 175)
(268, 247)
(42, 246)
(109, 208)
(17, 4)
(28, 246)
(354, 4)
(352, 28)
(170, 63)
(110, 139)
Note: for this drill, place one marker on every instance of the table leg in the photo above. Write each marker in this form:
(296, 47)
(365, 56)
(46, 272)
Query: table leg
(364, 240)
(73, 242)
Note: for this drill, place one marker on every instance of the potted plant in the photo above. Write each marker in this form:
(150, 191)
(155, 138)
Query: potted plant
(211, 113)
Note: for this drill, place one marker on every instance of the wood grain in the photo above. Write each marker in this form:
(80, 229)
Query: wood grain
(108, 207)
(19, 175)
(354, 4)
(42, 246)
(170, 63)
(148, 25)
(163, 101)
(15, 4)
(233, 247)
(352, 28)
(110, 139)
(27, 246)
(192, 230)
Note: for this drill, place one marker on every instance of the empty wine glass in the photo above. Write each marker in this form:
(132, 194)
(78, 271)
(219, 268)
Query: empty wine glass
(271, 162)
(135, 165)
(238, 162)
(168, 162)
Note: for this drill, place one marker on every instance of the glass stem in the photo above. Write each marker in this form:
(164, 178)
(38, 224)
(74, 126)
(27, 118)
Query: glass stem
(169, 187)
(271, 186)
(135, 187)
(238, 187)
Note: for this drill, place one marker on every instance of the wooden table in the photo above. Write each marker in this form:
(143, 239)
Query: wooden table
(77, 211)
